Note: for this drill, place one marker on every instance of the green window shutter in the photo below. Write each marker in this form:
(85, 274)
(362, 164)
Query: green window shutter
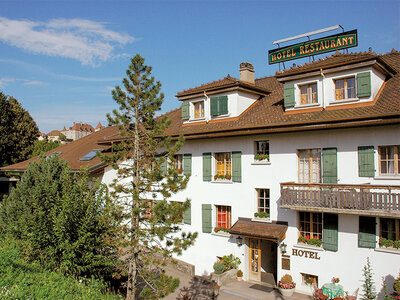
(206, 217)
(214, 106)
(366, 164)
(187, 164)
(364, 84)
(329, 165)
(164, 167)
(367, 233)
(185, 111)
(207, 166)
(330, 233)
(237, 166)
(288, 92)
(222, 105)
(187, 216)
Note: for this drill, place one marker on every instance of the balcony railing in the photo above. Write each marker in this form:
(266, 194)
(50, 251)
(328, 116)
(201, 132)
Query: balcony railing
(369, 199)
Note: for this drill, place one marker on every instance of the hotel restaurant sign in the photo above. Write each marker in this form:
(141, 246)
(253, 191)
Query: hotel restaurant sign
(334, 42)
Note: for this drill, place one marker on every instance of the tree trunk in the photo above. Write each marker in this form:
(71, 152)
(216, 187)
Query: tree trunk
(132, 277)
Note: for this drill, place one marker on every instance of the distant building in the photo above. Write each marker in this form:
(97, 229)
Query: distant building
(42, 136)
(99, 127)
(54, 135)
(79, 130)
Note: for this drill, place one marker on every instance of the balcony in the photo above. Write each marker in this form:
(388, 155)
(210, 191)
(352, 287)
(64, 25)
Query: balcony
(376, 200)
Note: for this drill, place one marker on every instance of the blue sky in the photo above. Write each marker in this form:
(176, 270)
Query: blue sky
(61, 59)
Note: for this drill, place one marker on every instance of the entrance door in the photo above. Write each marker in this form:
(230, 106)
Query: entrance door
(255, 260)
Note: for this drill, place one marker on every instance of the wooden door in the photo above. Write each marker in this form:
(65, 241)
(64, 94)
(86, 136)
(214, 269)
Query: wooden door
(255, 260)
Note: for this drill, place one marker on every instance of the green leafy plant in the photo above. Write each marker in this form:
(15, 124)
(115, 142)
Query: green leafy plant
(223, 177)
(261, 214)
(218, 229)
(396, 244)
(230, 262)
(396, 284)
(309, 282)
(313, 241)
(261, 157)
(368, 283)
(239, 273)
(219, 267)
(385, 242)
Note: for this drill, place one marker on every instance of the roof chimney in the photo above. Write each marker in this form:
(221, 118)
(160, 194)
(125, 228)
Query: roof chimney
(247, 72)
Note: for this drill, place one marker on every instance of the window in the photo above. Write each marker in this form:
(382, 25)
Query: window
(389, 160)
(223, 165)
(345, 88)
(218, 105)
(91, 154)
(367, 232)
(198, 109)
(309, 165)
(308, 94)
(224, 216)
(390, 229)
(307, 278)
(262, 150)
(149, 209)
(178, 164)
(263, 200)
(310, 225)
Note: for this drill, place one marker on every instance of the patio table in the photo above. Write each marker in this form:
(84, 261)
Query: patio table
(332, 290)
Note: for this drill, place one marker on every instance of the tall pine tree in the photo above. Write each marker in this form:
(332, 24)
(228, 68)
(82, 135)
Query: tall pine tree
(151, 233)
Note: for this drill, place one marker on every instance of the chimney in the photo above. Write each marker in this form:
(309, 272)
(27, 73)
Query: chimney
(247, 72)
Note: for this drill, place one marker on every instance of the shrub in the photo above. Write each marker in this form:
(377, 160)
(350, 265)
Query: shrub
(286, 279)
(230, 262)
(385, 242)
(286, 282)
(219, 267)
(239, 273)
(396, 244)
(315, 242)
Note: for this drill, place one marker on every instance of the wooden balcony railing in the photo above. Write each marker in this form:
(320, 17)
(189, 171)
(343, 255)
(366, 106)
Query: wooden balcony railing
(341, 197)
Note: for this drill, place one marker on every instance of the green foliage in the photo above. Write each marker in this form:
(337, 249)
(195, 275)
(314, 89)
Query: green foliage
(230, 262)
(313, 242)
(43, 146)
(23, 280)
(239, 273)
(368, 283)
(286, 279)
(18, 131)
(141, 159)
(396, 244)
(396, 284)
(217, 229)
(219, 267)
(261, 157)
(62, 221)
(261, 214)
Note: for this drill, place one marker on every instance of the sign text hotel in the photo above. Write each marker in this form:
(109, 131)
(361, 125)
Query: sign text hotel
(318, 46)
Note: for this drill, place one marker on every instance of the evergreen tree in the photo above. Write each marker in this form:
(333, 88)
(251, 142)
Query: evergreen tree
(18, 131)
(43, 146)
(151, 234)
(368, 284)
(62, 220)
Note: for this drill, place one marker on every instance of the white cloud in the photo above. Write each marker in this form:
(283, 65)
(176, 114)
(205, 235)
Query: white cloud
(34, 82)
(86, 41)
(4, 81)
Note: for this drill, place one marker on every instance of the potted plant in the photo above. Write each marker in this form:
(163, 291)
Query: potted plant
(261, 215)
(261, 157)
(335, 280)
(286, 285)
(239, 275)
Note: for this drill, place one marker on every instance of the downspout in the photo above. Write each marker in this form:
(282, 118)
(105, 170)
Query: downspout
(323, 90)
(206, 103)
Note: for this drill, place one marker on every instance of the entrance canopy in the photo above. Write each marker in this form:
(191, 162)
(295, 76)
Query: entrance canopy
(261, 230)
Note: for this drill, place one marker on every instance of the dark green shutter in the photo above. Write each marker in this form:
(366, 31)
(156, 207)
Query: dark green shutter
(222, 105)
(288, 92)
(330, 234)
(206, 166)
(364, 84)
(187, 164)
(329, 165)
(187, 216)
(214, 106)
(164, 167)
(237, 166)
(366, 164)
(185, 111)
(206, 217)
(367, 232)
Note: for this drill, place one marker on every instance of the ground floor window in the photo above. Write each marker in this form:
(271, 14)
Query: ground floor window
(224, 216)
(310, 225)
(390, 232)
(309, 279)
(178, 162)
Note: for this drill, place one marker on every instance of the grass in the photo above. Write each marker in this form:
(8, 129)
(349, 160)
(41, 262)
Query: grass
(23, 280)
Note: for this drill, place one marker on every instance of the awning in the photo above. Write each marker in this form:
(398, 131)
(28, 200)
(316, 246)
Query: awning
(262, 230)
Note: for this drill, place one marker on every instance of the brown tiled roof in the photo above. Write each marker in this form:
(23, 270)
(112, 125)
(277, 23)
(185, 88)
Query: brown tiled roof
(264, 230)
(82, 127)
(226, 82)
(54, 133)
(268, 113)
(72, 152)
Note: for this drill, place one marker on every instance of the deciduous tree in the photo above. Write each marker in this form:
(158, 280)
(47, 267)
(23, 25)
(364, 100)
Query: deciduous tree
(151, 233)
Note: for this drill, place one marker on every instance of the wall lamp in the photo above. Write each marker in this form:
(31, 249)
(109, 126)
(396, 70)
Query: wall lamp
(239, 240)
(283, 248)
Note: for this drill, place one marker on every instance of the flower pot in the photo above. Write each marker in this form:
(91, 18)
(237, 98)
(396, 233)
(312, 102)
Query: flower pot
(287, 292)
(239, 278)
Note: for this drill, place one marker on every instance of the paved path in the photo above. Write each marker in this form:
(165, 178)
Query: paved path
(244, 290)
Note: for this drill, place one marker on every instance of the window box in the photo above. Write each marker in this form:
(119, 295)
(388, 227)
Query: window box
(261, 151)
(222, 177)
(309, 247)
(221, 230)
(316, 242)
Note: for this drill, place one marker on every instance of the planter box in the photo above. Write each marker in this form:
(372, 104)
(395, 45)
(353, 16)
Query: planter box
(224, 278)
(258, 219)
(287, 292)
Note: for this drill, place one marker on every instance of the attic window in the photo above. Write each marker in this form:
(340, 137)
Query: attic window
(54, 154)
(345, 88)
(308, 94)
(91, 154)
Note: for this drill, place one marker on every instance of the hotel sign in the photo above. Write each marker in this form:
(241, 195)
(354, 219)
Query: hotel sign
(318, 46)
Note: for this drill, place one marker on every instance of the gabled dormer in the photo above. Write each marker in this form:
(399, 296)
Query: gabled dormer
(225, 98)
(333, 82)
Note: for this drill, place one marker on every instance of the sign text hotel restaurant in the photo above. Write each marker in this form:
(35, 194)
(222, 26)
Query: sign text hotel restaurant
(318, 46)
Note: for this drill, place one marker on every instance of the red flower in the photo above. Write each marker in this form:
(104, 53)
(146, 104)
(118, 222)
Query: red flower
(179, 171)
(262, 157)
(228, 177)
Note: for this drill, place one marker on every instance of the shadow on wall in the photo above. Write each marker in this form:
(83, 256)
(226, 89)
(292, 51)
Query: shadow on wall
(388, 282)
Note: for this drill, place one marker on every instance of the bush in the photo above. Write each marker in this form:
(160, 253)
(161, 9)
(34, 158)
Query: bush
(230, 262)
(219, 267)
(396, 244)
(286, 279)
(62, 220)
(385, 242)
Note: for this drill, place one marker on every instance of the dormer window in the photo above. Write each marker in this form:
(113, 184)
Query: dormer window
(345, 88)
(198, 109)
(308, 93)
